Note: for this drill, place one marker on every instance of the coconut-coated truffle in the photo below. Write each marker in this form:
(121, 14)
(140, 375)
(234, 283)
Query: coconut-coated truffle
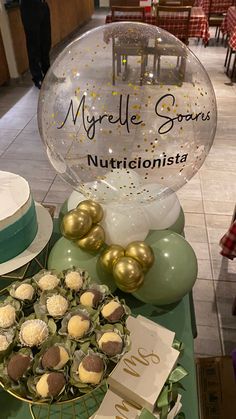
(113, 311)
(110, 343)
(78, 326)
(33, 332)
(55, 357)
(24, 292)
(91, 369)
(50, 384)
(3, 343)
(7, 316)
(74, 281)
(57, 305)
(91, 298)
(17, 366)
(48, 282)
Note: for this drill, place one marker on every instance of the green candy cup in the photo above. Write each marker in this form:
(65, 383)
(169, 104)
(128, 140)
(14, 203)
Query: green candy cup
(174, 271)
(65, 254)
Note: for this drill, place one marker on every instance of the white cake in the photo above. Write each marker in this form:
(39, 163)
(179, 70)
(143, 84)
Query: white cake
(18, 221)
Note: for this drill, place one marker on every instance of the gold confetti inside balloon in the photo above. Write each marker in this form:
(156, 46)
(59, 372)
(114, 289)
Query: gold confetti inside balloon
(94, 209)
(142, 253)
(128, 274)
(110, 256)
(94, 240)
(76, 224)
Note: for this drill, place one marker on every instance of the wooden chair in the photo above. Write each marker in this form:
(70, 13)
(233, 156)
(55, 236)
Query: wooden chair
(215, 19)
(124, 3)
(166, 19)
(135, 13)
(122, 47)
(176, 3)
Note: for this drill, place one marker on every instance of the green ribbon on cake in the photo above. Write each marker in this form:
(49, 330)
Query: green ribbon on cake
(15, 238)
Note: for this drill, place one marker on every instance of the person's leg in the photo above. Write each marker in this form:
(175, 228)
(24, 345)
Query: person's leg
(45, 38)
(32, 34)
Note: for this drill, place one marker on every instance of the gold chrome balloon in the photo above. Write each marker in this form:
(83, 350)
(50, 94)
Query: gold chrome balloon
(142, 253)
(93, 240)
(110, 256)
(94, 209)
(76, 224)
(128, 274)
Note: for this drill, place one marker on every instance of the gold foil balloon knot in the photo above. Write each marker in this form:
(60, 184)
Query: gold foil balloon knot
(128, 265)
(81, 225)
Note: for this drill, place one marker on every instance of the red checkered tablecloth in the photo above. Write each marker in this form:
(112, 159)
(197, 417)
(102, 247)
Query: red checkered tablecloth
(228, 243)
(229, 27)
(198, 27)
(218, 6)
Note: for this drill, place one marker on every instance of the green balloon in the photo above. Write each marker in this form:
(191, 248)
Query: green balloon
(178, 226)
(63, 211)
(174, 271)
(65, 254)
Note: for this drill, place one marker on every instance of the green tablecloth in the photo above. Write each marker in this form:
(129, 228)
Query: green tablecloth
(179, 319)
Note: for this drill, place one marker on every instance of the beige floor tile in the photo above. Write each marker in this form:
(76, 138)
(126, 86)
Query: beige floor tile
(204, 269)
(223, 269)
(229, 340)
(203, 290)
(219, 207)
(206, 313)
(207, 341)
(191, 205)
(201, 250)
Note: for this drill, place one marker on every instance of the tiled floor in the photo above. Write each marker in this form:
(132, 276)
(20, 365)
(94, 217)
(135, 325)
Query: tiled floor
(208, 199)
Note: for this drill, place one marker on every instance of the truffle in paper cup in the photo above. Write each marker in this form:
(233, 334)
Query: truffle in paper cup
(19, 364)
(113, 341)
(46, 280)
(114, 311)
(55, 354)
(48, 386)
(52, 303)
(6, 341)
(23, 291)
(75, 279)
(79, 323)
(94, 295)
(87, 370)
(9, 309)
(33, 332)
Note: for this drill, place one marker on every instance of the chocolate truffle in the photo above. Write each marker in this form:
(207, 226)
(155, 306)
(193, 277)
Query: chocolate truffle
(24, 292)
(50, 384)
(91, 369)
(33, 332)
(74, 281)
(110, 343)
(113, 311)
(3, 343)
(48, 282)
(17, 366)
(7, 316)
(78, 326)
(56, 305)
(91, 298)
(55, 357)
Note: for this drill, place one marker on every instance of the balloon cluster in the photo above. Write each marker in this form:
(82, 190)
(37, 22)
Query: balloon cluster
(81, 226)
(128, 265)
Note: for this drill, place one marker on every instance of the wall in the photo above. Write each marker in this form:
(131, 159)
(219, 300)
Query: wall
(4, 72)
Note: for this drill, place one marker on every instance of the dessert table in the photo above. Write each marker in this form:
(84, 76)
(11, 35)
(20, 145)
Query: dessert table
(198, 27)
(229, 27)
(218, 6)
(179, 318)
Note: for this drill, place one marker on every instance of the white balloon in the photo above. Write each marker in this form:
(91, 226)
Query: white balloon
(124, 224)
(74, 199)
(123, 181)
(162, 213)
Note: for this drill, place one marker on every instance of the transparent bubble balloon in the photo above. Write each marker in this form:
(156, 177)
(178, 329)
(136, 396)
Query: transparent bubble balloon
(127, 113)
